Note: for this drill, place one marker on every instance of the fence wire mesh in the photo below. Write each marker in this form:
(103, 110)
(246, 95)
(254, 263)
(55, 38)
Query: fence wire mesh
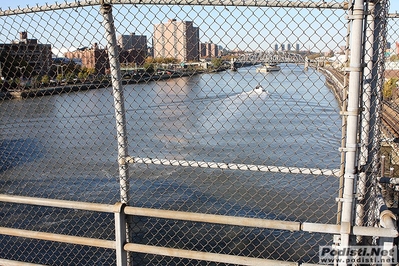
(207, 129)
(390, 99)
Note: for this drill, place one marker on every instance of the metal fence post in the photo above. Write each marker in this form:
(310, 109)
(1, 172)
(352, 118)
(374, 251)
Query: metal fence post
(378, 63)
(117, 91)
(120, 234)
(344, 118)
(364, 162)
(350, 175)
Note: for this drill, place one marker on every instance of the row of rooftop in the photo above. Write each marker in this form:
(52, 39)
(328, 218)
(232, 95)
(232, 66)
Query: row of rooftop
(173, 39)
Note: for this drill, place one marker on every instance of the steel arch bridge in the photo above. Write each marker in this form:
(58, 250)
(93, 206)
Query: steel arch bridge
(259, 57)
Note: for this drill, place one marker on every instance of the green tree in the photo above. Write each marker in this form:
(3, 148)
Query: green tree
(90, 71)
(149, 65)
(217, 62)
(394, 57)
(70, 76)
(389, 87)
(168, 60)
(45, 79)
(82, 75)
(85, 73)
(60, 77)
(36, 81)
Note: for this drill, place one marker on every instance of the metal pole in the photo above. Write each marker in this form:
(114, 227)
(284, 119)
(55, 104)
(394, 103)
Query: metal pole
(120, 235)
(376, 108)
(350, 175)
(382, 173)
(344, 120)
(117, 91)
(364, 162)
(269, 3)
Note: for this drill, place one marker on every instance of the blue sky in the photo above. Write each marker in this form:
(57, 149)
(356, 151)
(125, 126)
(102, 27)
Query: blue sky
(230, 30)
(394, 4)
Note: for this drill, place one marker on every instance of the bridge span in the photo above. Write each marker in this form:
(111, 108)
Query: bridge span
(263, 57)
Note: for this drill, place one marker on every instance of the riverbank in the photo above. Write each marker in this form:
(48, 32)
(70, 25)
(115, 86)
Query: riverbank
(28, 93)
(335, 82)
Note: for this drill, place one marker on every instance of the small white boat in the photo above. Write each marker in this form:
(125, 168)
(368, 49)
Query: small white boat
(260, 89)
(268, 68)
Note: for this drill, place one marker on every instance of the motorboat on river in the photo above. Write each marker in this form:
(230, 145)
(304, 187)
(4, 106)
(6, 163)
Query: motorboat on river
(259, 89)
(268, 68)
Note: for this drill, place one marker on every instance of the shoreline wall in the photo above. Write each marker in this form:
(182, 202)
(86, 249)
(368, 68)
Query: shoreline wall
(335, 84)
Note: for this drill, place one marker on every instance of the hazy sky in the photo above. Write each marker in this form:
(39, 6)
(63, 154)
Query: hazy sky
(250, 28)
(394, 4)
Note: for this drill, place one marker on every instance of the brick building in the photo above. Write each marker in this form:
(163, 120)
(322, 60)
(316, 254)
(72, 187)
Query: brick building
(133, 48)
(36, 56)
(91, 58)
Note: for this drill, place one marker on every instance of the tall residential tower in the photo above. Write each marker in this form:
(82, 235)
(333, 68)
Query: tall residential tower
(176, 39)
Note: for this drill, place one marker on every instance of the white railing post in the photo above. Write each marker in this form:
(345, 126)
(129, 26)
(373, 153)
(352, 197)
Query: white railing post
(364, 161)
(117, 92)
(120, 234)
(351, 147)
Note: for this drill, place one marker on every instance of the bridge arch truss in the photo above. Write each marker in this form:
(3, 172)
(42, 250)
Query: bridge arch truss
(258, 57)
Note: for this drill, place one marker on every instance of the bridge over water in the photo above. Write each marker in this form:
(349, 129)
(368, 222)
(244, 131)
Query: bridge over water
(259, 57)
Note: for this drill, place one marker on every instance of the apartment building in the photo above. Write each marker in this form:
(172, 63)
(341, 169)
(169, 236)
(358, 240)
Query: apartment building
(209, 50)
(37, 56)
(176, 39)
(133, 48)
(93, 57)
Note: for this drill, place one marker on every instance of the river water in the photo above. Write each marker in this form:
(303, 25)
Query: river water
(64, 147)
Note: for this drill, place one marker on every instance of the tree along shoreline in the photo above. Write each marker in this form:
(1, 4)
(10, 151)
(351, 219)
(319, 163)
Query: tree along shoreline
(52, 90)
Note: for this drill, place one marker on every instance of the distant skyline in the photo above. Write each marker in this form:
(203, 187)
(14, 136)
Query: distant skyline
(249, 29)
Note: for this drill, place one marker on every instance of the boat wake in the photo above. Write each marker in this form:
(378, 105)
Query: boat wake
(257, 91)
(260, 89)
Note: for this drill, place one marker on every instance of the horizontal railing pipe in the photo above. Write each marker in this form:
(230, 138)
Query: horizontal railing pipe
(390, 231)
(5, 262)
(202, 217)
(321, 228)
(58, 238)
(256, 3)
(96, 207)
(258, 222)
(197, 255)
(119, 244)
(212, 218)
(374, 231)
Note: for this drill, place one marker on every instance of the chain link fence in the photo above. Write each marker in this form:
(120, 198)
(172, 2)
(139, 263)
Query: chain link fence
(390, 108)
(199, 127)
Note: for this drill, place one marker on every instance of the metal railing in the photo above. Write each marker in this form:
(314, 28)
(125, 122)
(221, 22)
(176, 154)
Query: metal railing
(213, 165)
(120, 245)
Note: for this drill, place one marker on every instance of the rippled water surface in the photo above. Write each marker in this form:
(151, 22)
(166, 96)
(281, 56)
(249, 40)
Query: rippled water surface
(64, 146)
